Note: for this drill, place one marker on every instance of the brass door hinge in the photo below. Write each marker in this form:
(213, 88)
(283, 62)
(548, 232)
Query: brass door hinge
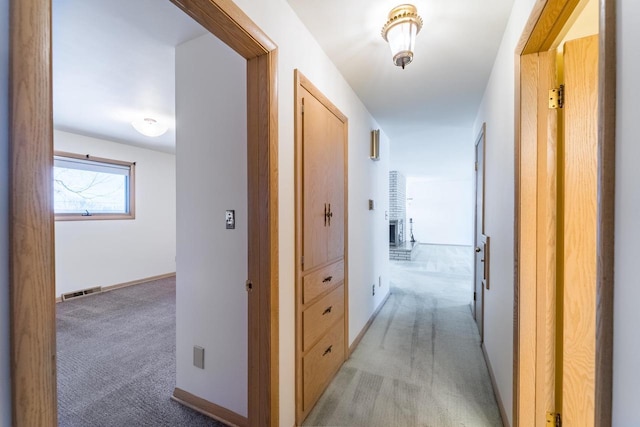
(554, 419)
(556, 98)
(248, 285)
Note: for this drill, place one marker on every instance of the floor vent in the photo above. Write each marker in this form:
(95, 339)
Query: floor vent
(78, 294)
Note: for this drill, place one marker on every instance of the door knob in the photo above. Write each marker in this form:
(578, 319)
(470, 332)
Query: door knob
(478, 249)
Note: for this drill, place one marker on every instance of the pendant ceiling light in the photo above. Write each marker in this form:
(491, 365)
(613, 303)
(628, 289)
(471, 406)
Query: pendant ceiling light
(400, 31)
(149, 127)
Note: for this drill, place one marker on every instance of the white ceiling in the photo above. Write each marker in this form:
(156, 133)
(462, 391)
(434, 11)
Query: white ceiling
(113, 62)
(443, 86)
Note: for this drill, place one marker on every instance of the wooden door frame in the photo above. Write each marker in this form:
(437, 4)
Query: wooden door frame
(32, 276)
(546, 22)
(482, 136)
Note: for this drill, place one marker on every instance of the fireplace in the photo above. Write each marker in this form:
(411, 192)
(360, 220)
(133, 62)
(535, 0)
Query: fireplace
(396, 232)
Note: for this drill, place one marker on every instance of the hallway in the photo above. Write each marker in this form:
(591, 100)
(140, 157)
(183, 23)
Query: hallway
(420, 363)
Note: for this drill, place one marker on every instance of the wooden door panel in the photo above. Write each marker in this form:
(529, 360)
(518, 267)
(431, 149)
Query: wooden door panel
(580, 202)
(335, 151)
(546, 241)
(315, 121)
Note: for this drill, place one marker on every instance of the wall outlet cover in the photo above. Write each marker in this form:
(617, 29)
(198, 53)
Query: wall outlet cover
(198, 357)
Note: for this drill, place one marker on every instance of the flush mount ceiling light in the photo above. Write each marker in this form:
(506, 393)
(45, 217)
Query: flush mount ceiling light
(400, 31)
(149, 127)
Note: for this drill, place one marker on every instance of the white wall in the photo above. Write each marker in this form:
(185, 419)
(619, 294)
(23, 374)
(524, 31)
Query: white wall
(211, 153)
(438, 164)
(626, 348)
(497, 110)
(5, 392)
(103, 253)
(439, 151)
(368, 246)
(442, 209)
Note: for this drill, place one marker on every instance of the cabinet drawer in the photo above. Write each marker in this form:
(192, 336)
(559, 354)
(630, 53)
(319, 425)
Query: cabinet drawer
(321, 315)
(321, 363)
(319, 281)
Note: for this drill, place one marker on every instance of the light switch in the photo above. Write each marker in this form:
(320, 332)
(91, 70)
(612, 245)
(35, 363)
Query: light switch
(231, 219)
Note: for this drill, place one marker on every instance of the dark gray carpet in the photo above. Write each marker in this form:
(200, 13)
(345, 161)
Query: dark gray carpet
(116, 360)
(420, 363)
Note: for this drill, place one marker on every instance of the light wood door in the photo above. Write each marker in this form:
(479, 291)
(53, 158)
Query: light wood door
(323, 145)
(580, 223)
(316, 119)
(335, 167)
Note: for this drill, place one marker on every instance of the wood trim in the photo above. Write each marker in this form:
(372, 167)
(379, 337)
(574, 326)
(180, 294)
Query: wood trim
(306, 83)
(496, 390)
(209, 409)
(527, 239)
(482, 135)
(345, 120)
(123, 285)
(516, 242)
(364, 330)
(546, 239)
(34, 400)
(225, 20)
(32, 310)
(137, 282)
(263, 225)
(546, 24)
(606, 213)
(534, 40)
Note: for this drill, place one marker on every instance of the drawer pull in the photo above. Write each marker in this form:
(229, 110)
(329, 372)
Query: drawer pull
(327, 310)
(327, 279)
(327, 351)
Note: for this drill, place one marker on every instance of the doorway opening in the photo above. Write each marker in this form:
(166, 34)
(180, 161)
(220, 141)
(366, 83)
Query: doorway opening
(33, 347)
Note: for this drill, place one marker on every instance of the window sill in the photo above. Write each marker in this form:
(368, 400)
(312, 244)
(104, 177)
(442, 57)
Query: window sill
(92, 217)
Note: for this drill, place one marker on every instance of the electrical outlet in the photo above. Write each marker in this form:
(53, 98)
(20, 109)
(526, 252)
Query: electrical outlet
(198, 357)
(373, 290)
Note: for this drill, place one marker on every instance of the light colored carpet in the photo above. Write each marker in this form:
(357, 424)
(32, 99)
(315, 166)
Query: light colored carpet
(117, 359)
(420, 363)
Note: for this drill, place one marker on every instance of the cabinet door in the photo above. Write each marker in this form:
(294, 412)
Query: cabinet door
(336, 132)
(316, 120)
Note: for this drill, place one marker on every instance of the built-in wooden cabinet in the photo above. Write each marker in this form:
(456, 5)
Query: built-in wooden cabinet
(321, 264)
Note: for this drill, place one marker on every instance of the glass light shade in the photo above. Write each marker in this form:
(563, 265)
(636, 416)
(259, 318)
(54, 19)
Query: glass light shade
(149, 127)
(400, 31)
(402, 39)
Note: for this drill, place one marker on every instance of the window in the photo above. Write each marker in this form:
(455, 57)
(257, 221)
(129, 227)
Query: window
(86, 188)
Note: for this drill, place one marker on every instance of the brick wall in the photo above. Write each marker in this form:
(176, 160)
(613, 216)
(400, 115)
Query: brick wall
(398, 199)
